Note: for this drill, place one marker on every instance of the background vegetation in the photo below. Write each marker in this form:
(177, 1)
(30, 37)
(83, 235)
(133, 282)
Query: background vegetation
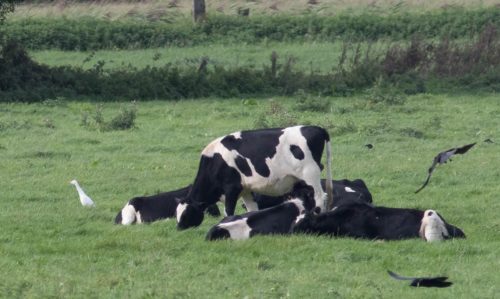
(92, 34)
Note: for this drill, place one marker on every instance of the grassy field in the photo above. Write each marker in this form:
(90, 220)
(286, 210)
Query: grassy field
(318, 56)
(50, 246)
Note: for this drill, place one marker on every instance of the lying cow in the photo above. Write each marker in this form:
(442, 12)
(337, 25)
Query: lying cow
(365, 221)
(268, 161)
(344, 191)
(274, 220)
(155, 207)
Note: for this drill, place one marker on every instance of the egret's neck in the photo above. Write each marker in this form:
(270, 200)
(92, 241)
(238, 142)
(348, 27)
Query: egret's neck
(78, 188)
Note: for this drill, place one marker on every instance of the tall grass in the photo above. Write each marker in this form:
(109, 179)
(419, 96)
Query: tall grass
(150, 10)
(53, 247)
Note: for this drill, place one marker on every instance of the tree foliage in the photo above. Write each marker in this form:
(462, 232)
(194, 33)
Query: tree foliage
(6, 6)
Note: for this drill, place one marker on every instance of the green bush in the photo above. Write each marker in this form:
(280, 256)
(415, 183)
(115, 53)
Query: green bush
(124, 120)
(91, 34)
(387, 77)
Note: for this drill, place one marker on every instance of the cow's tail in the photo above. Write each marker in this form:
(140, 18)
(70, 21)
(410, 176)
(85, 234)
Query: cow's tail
(329, 183)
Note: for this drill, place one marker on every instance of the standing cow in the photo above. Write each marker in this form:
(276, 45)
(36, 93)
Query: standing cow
(267, 161)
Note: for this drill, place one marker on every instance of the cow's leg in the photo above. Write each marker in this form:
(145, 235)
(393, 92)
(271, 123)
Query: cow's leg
(250, 203)
(312, 177)
(230, 203)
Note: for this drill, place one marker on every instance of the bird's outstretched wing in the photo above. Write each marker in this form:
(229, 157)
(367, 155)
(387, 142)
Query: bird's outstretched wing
(431, 169)
(399, 277)
(464, 149)
(438, 281)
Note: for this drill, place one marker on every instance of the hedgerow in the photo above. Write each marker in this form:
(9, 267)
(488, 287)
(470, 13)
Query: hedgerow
(93, 34)
(414, 68)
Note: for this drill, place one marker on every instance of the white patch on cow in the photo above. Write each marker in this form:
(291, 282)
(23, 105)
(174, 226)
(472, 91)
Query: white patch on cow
(212, 147)
(347, 189)
(250, 203)
(222, 199)
(238, 229)
(300, 217)
(139, 217)
(433, 228)
(128, 214)
(298, 203)
(180, 209)
(237, 135)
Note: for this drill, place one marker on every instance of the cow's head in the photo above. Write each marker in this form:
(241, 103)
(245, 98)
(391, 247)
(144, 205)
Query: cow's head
(435, 228)
(305, 193)
(188, 215)
(305, 222)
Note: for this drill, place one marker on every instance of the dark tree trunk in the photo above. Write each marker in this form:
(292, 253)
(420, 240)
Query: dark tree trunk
(198, 10)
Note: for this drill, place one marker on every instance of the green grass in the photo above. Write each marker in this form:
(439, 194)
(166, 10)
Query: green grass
(307, 56)
(50, 246)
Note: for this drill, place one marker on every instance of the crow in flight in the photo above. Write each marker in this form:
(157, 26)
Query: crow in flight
(438, 281)
(442, 158)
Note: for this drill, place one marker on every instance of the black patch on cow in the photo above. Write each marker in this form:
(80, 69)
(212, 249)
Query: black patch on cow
(192, 216)
(340, 195)
(118, 218)
(214, 178)
(297, 152)
(243, 166)
(217, 233)
(256, 146)
(316, 138)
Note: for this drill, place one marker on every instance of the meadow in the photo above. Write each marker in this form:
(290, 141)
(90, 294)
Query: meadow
(315, 56)
(411, 100)
(51, 246)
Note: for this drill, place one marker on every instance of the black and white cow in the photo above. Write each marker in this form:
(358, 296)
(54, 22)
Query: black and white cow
(274, 220)
(360, 220)
(267, 161)
(344, 191)
(156, 207)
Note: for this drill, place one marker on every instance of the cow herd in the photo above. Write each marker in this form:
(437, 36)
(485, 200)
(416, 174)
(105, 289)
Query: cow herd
(277, 174)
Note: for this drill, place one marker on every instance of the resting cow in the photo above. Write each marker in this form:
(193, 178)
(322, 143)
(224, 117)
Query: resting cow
(368, 222)
(155, 207)
(268, 161)
(274, 220)
(344, 191)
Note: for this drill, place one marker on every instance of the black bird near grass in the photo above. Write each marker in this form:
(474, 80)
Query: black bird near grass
(369, 145)
(442, 158)
(428, 282)
(488, 140)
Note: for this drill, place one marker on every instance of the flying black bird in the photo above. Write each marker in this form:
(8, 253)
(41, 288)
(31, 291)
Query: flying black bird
(442, 158)
(369, 145)
(488, 140)
(438, 281)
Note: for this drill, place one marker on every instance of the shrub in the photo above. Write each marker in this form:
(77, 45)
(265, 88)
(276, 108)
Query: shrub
(275, 116)
(124, 120)
(306, 102)
(415, 68)
(91, 34)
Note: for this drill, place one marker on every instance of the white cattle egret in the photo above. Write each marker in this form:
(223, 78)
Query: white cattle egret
(84, 198)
